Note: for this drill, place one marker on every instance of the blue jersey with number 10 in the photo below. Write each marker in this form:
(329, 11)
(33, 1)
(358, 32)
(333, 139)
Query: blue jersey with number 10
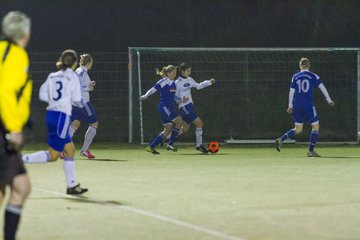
(304, 83)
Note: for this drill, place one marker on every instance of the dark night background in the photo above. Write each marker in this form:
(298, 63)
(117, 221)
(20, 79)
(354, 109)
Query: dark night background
(112, 26)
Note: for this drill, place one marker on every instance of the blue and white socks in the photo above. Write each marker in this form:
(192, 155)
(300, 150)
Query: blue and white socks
(174, 134)
(159, 138)
(288, 135)
(313, 139)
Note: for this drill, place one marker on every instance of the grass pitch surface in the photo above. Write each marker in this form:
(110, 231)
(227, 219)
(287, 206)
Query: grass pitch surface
(252, 193)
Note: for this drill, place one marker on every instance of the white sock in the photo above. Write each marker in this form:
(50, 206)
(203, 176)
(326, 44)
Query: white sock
(89, 136)
(198, 136)
(72, 130)
(37, 157)
(69, 170)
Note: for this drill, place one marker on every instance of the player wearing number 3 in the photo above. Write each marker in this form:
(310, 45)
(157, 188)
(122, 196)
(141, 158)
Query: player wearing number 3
(60, 91)
(301, 105)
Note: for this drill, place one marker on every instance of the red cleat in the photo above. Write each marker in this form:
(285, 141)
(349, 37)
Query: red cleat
(87, 154)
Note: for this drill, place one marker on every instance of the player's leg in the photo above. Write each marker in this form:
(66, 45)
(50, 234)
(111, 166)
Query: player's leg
(288, 135)
(74, 127)
(174, 133)
(167, 114)
(177, 123)
(69, 170)
(89, 116)
(292, 132)
(69, 165)
(56, 146)
(77, 115)
(198, 135)
(297, 117)
(159, 138)
(19, 189)
(184, 127)
(57, 125)
(3, 166)
(38, 157)
(88, 139)
(187, 117)
(313, 139)
(311, 115)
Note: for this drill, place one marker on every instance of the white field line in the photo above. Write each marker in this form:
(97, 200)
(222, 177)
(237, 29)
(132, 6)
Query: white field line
(151, 215)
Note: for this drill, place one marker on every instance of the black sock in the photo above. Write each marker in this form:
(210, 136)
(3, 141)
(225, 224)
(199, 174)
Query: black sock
(12, 217)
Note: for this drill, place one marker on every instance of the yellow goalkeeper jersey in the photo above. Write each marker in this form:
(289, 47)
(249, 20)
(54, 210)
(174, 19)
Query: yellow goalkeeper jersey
(15, 87)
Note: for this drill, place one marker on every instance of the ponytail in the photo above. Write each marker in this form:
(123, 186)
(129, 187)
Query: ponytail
(165, 70)
(85, 59)
(67, 59)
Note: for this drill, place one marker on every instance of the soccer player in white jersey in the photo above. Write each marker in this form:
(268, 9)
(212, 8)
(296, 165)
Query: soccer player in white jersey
(86, 112)
(60, 90)
(301, 105)
(184, 84)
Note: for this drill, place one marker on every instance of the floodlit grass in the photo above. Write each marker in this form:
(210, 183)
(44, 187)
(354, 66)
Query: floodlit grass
(252, 193)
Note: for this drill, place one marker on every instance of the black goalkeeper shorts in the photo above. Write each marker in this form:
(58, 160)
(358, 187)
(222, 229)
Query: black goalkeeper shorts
(11, 163)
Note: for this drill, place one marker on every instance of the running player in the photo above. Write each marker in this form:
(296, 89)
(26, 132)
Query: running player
(86, 112)
(184, 83)
(301, 105)
(170, 119)
(60, 91)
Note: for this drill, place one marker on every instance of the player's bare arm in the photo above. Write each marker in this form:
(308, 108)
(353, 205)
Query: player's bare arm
(92, 86)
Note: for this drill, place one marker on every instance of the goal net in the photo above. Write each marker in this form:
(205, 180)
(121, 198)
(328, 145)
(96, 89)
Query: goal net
(249, 99)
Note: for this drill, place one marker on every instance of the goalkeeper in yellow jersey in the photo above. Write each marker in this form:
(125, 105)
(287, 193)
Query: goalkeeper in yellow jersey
(15, 95)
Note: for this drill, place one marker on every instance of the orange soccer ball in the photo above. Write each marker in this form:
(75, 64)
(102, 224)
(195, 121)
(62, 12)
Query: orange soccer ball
(214, 147)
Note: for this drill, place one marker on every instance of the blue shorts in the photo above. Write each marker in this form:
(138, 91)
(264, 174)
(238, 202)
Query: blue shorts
(57, 124)
(304, 113)
(84, 114)
(167, 113)
(187, 113)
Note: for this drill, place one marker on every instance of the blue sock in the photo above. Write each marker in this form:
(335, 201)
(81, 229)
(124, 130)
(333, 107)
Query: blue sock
(159, 138)
(313, 139)
(174, 133)
(288, 135)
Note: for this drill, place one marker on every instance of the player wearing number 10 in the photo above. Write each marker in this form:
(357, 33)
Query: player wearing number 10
(301, 105)
(60, 91)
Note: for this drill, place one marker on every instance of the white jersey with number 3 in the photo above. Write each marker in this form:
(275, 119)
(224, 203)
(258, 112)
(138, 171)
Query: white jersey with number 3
(60, 90)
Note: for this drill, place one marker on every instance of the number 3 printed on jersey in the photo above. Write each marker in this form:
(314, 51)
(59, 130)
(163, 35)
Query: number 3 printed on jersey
(303, 86)
(58, 90)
